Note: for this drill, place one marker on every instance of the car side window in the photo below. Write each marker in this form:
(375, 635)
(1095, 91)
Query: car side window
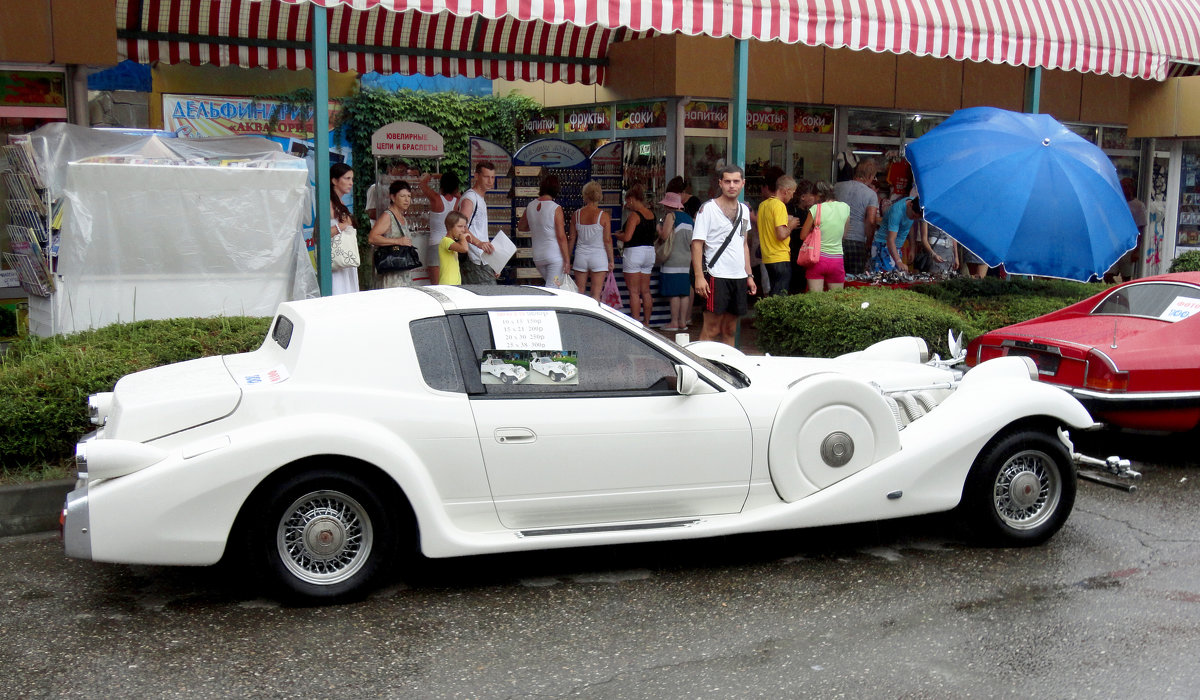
(608, 360)
(435, 354)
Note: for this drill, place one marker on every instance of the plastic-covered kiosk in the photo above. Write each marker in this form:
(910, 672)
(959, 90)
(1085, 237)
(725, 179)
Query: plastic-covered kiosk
(147, 227)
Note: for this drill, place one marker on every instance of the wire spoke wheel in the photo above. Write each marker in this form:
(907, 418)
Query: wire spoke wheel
(1027, 489)
(324, 537)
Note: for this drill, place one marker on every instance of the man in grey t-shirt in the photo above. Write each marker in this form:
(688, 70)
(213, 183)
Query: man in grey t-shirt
(864, 215)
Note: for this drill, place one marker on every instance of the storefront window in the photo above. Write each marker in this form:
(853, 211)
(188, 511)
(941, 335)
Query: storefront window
(646, 162)
(702, 157)
(812, 160)
(1116, 138)
(762, 152)
(1091, 134)
(917, 125)
(862, 122)
(1188, 232)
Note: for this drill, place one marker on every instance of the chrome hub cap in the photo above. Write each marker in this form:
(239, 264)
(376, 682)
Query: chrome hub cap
(324, 537)
(1027, 489)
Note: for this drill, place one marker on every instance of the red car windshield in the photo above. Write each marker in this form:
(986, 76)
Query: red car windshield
(1168, 301)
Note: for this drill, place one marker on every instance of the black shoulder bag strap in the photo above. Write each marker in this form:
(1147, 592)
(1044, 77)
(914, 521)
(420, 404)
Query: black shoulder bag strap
(737, 223)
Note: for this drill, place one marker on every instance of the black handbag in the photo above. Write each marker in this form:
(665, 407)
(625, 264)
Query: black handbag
(396, 258)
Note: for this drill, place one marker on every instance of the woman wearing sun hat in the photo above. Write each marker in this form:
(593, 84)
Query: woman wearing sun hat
(675, 280)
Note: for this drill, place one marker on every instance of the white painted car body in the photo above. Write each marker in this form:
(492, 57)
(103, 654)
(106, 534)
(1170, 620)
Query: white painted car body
(505, 371)
(559, 371)
(727, 444)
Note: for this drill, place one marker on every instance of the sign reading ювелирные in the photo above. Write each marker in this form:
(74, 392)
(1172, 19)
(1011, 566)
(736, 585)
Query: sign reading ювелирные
(407, 139)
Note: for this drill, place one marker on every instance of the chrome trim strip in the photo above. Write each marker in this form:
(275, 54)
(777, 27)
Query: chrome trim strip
(1135, 397)
(542, 532)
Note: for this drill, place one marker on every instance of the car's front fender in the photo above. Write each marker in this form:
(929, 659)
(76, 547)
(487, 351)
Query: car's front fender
(181, 509)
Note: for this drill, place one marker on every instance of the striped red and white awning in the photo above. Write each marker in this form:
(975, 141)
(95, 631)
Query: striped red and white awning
(568, 40)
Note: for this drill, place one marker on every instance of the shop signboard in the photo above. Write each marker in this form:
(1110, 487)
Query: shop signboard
(706, 115)
(583, 119)
(550, 152)
(38, 94)
(407, 139)
(809, 119)
(766, 118)
(545, 125)
(642, 115)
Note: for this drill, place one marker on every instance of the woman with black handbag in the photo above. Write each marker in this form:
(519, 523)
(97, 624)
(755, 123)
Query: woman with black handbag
(397, 260)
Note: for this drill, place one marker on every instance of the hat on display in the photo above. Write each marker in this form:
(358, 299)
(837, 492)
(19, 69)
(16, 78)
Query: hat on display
(671, 201)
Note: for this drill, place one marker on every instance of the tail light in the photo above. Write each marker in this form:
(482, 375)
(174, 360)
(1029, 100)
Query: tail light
(983, 353)
(1102, 374)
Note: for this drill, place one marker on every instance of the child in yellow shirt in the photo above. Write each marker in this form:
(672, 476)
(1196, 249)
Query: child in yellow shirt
(453, 243)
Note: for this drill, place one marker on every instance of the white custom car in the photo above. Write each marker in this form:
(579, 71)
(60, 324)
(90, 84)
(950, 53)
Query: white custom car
(557, 371)
(322, 472)
(506, 372)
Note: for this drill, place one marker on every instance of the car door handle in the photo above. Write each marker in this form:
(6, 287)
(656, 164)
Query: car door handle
(510, 436)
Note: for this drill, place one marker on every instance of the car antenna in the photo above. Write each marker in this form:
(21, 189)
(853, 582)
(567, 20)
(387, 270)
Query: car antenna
(1114, 342)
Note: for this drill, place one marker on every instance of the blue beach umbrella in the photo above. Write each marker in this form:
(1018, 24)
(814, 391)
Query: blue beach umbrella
(1023, 190)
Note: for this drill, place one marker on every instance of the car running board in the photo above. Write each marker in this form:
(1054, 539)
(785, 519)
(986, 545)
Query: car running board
(543, 532)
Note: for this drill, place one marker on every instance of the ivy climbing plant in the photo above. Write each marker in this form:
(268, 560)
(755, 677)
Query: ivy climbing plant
(456, 117)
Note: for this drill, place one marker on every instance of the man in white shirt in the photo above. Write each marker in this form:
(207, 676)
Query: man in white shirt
(473, 205)
(721, 258)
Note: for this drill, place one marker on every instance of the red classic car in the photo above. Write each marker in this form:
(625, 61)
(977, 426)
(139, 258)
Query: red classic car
(1130, 354)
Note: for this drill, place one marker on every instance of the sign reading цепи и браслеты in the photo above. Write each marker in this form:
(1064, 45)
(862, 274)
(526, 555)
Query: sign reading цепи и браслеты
(407, 139)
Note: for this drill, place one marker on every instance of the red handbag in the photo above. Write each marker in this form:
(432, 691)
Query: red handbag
(810, 251)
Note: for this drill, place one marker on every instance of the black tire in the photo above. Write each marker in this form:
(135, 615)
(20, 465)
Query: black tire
(557, 377)
(506, 379)
(1020, 490)
(323, 537)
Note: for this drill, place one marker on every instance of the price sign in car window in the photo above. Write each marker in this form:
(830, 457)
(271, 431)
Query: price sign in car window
(525, 330)
(1180, 309)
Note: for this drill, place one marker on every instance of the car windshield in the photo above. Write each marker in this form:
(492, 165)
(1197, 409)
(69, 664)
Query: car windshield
(1167, 301)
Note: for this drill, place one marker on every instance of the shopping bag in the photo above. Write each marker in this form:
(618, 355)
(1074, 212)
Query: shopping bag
(610, 295)
(810, 250)
(566, 284)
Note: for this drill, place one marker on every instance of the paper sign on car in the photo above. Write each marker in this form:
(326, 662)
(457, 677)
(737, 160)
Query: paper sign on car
(1180, 309)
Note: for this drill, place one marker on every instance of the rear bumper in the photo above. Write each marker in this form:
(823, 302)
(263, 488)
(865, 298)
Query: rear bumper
(77, 533)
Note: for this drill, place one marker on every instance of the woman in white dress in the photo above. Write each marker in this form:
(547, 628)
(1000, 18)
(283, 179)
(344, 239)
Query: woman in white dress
(543, 218)
(341, 182)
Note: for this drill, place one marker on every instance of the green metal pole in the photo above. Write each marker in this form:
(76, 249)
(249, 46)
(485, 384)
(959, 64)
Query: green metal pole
(1033, 90)
(320, 52)
(737, 110)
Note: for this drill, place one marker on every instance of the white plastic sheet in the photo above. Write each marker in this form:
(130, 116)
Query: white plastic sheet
(160, 238)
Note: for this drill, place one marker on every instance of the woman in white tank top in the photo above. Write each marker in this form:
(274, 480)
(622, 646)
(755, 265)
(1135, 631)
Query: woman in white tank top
(543, 219)
(591, 239)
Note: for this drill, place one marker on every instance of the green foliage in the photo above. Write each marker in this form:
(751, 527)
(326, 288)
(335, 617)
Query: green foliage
(456, 117)
(832, 323)
(45, 382)
(1186, 262)
(992, 303)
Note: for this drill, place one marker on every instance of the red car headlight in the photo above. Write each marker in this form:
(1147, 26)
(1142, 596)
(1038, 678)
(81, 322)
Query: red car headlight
(1102, 374)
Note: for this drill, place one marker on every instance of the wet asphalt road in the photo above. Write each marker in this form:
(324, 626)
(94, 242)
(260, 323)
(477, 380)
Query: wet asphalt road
(1109, 608)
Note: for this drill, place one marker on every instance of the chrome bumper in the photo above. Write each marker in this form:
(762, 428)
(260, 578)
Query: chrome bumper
(77, 534)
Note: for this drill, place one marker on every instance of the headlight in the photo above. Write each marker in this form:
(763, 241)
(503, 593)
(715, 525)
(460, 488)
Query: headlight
(99, 406)
(106, 459)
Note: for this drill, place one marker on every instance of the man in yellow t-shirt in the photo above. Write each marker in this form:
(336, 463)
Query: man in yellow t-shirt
(775, 232)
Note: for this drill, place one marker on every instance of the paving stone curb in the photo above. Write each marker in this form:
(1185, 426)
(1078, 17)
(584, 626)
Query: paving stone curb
(30, 508)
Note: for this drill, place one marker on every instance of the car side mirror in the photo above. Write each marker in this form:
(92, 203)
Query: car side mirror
(686, 380)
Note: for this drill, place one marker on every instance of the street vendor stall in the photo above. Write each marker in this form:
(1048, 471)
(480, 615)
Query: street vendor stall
(156, 228)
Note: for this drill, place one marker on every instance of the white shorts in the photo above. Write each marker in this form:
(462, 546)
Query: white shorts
(639, 260)
(590, 260)
(550, 271)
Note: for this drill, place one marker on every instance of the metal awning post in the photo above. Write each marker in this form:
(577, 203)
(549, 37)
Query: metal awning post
(737, 110)
(1033, 90)
(320, 53)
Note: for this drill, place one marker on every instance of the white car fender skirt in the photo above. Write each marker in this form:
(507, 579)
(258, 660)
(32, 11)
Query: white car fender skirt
(827, 428)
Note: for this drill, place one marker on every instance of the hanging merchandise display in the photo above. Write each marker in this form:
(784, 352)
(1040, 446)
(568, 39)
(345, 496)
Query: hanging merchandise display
(531, 163)
(408, 151)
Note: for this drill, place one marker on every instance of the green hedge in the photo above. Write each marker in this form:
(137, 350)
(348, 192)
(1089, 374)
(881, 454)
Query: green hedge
(832, 323)
(1186, 262)
(45, 382)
